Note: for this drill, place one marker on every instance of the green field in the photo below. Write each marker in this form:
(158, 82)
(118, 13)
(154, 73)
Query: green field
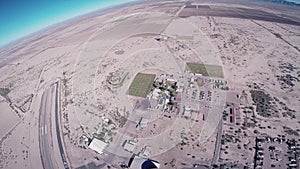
(206, 70)
(141, 85)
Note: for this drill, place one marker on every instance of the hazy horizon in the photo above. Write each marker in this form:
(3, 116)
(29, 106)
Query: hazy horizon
(23, 18)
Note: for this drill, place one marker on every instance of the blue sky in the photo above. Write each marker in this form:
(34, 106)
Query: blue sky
(20, 18)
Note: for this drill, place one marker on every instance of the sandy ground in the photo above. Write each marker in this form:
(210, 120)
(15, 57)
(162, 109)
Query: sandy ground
(10, 119)
(85, 53)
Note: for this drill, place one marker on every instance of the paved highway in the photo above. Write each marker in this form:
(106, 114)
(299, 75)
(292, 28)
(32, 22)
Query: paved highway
(46, 136)
(59, 140)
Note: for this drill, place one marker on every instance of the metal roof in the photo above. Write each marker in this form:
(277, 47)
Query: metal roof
(97, 145)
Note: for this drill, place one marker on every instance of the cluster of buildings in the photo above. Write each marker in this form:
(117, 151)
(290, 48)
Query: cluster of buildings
(140, 160)
(137, 161)
(165, 97)
(198, 87)
(219, 84)
(166, 92)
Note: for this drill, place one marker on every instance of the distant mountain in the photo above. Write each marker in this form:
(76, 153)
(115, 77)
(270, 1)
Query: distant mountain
(284, 2)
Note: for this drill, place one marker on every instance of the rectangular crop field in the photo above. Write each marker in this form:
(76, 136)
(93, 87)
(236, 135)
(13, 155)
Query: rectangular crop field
(141, 85)
(206, 70)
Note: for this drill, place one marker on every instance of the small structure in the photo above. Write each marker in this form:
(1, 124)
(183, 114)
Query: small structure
(145, 152)
(172, 81)
(143, 123)
(105, 120)
(97, 145)
(187, 112)
(180, 87)
(84, 139)
(165, 95)
(167, 101)
(129, 145)
(198, 75)
(192, 80)
(161, 102)
(155, 93)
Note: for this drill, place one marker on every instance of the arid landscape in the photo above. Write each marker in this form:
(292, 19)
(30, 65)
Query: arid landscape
(180, 84)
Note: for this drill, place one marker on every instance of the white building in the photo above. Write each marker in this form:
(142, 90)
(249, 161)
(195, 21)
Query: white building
(187, 112)
(97, 145)
(155, 93)
(143, 123)
(129, 145)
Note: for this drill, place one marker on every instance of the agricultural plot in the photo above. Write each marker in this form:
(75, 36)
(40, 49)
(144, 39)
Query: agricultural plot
(141, 85)
(206, 70)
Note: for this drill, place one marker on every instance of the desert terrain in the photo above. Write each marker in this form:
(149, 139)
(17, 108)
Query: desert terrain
(187, 84)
